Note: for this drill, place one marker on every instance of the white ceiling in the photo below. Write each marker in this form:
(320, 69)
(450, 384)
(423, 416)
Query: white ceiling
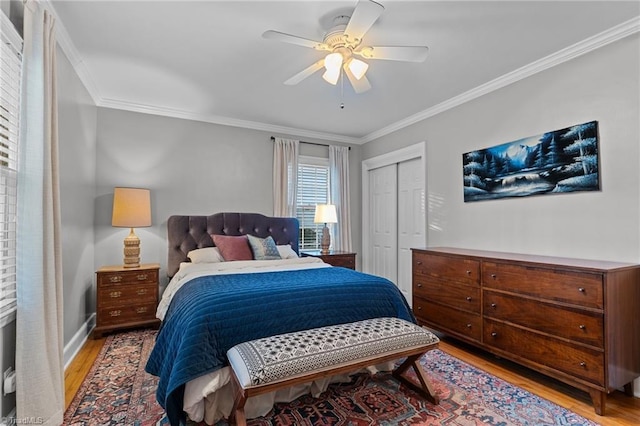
(207, 60)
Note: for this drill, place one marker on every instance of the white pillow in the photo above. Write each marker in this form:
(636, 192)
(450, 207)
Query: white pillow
(286, 252)
(205, 255)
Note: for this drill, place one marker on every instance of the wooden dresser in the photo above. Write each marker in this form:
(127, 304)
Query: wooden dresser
(126, 297)
(333, 257)
(576, 320)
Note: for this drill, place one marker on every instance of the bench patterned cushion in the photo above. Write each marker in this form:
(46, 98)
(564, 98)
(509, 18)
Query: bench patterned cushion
(285, 356)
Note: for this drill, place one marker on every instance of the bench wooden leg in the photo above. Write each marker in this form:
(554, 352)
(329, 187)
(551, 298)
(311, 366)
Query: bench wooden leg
(237, 416)
(426, 388)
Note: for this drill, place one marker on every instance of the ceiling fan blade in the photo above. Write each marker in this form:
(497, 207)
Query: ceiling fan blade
(394, 53)
(305, 73)
(363, 17)
(288, 38)
(359, 86)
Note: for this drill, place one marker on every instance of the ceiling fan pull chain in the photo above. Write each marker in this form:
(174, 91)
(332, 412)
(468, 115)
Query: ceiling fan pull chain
(341, 90)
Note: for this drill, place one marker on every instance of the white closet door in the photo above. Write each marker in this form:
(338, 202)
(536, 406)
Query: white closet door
(383, 188)
(411, 219)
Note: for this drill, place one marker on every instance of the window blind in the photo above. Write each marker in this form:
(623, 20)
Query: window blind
(10, 72)
(313, 188)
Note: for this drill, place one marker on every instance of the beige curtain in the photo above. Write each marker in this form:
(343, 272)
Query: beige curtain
(340, 196)
(39, 339)
(285, 177)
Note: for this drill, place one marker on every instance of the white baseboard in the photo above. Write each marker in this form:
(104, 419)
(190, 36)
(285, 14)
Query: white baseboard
(72, 348)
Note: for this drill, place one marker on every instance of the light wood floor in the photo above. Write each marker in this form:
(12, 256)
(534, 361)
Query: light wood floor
(621, 410)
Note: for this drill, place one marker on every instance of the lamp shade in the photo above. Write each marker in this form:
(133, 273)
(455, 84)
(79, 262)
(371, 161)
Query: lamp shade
(131, 208)
(325, 213)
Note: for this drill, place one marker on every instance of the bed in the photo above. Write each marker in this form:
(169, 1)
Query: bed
(210, 305)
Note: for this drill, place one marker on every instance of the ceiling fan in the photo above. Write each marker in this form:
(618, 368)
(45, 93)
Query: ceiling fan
(344, 42)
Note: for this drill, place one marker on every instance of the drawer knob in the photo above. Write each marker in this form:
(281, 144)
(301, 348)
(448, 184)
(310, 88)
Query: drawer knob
(494, 276)
(115, 294)
(583, 364)
(582, 327)
(141, 310)
(115, 278)
(419, 308)
(141, 291)
(142, 277)
(493, 305)
(581, 289)
(468, 272)
(419, 262)
(494, 334)
(468, 325)
(419, 285)
(114, 313)
(468, 298)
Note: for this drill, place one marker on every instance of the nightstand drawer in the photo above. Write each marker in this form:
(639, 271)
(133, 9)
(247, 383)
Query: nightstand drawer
(113, 296)
(126, 314)
(333, 257)
(128, 277)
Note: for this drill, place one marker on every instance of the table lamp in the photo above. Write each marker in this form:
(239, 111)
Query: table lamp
(131, 209)
(325, 213)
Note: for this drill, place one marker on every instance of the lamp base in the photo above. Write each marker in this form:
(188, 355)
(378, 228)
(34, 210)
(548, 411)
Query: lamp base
(132, 251)
(325, 243)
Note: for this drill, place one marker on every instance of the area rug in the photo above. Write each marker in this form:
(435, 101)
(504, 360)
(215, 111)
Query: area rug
(117, 391)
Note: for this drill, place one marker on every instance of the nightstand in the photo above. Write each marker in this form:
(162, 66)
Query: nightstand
(334, 257)
(126, 297)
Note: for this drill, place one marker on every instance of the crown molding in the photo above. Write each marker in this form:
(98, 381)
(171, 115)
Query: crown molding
(590, 44)
(70, 50)
(226, 121)
(604, 38)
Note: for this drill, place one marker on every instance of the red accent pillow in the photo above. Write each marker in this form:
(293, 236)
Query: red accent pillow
(233, 248)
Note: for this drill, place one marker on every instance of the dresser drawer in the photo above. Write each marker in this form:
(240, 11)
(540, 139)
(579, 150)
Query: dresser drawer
(461, 296)
(127, 294)
(585, 327)
(115, 315)
(575, 360)
(447, 268)
(447, 319)
(580, 288)
(127, 277)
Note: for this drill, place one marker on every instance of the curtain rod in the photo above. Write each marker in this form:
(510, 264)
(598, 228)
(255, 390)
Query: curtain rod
(309, 143)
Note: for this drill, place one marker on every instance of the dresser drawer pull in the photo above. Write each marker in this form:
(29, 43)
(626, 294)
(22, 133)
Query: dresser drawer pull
(115, 294)
(142, 277)
(468, 325)
(141, 291)
(494, 276)
(114, 313)
(141, 310)
(419, 262)
(494, 334)
(582, 327)
(419, 285)
(468, 272)
(583, 364)
(468, 298)
(493, 305)
(115, 278)
(419, 308)
(581, 289)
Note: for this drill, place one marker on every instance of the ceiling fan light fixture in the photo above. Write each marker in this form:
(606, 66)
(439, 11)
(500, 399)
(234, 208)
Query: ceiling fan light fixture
(333, 61)
(358, 68)
(331, 76)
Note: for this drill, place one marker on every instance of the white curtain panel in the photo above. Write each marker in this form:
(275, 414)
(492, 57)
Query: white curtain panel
(285, 177)
(339, 195)
(39, 320)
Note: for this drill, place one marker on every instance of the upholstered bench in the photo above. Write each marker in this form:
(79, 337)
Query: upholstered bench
(271, 363)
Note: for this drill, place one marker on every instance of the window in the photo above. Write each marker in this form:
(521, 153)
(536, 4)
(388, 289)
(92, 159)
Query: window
(313, 188)
(10, 70)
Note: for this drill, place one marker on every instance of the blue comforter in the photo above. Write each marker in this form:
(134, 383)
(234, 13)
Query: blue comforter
(211, 314)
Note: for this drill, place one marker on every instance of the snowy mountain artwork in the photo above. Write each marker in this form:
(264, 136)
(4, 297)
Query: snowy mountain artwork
(564, 160)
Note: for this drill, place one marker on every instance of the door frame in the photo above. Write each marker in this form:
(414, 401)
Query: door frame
(411, 152)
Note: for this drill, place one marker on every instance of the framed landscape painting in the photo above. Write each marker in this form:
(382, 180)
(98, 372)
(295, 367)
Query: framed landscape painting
(560, 161)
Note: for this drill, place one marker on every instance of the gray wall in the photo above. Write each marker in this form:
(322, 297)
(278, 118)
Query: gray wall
(77, 122)
(602, 85)
(191, 168)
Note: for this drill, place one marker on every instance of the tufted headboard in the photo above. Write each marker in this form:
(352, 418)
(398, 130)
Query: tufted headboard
(186, 233)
